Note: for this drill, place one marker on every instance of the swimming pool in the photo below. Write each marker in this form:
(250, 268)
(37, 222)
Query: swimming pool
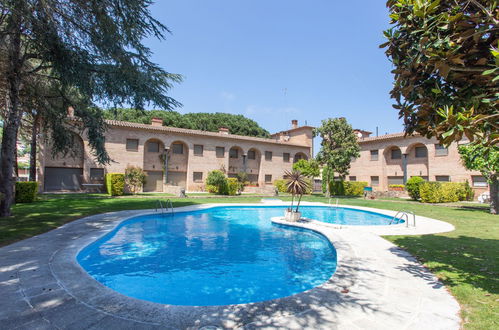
(216, 256)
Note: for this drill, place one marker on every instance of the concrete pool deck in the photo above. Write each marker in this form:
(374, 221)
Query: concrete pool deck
(376, 285)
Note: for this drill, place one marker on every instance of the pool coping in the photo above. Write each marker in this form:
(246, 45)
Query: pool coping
(72, 290)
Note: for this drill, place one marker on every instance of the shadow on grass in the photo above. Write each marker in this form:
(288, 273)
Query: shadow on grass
(457, 260)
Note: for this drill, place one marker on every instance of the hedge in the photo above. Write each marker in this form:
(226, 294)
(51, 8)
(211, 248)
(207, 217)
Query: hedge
(115, 184)
(445, 192)
(412, 186)
(233, 186)
(216, 182)
(26, 191)
(281, 185)
(347, 188)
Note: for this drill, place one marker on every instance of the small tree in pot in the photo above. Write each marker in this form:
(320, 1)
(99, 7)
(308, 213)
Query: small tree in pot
(297, 185)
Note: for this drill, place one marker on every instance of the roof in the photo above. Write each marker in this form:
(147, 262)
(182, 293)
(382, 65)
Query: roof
(292, 129)
(386, 137)
(186, 131)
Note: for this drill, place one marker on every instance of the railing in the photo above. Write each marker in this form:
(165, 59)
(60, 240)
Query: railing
(164, 207)
(400, 216)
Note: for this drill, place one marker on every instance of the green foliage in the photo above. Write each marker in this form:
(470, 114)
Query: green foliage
(115, 184)
(281, 185)
(412, 186)
(309, 168)
(233, 186)
(135, 178)
(339, 146)
(396, 186)
(26, 191)
(354, 188)
(336, 188)
(297, 184)
(216, 182)
(243, 179)
(446, 67)
(447, 192)
(211, 122)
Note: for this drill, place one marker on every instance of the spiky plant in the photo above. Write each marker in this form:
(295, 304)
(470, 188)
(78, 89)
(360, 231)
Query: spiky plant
(296, 185)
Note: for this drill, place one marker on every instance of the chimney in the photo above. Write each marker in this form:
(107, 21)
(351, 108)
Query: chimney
(361, 134)
(294, 123)
(223, 130)
(156, 121)
(71, 112)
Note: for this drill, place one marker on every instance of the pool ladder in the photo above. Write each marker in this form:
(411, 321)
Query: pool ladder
(400, 216)
(164, 207)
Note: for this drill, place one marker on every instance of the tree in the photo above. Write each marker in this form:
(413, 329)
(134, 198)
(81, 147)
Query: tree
(339, 146)
(135, 178)
(309, 168)
(485, 159)
(445, 60)
(89, 52)
(237, 124)
(296, 185)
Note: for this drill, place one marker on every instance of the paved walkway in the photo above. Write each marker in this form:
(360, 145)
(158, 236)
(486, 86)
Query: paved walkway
(376, 286)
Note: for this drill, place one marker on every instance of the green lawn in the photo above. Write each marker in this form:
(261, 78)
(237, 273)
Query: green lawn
(466, 260)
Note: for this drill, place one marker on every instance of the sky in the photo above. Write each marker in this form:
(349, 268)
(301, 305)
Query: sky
(275, 60)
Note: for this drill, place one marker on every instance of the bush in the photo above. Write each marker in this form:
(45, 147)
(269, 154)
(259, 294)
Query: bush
(354, 188)
(396, 186)
(115, 184)
(446, 192)
(413, 186)
(26, 191)
(135, 178)
(281, 185)
(233, 186)
(216, 182)
(336, 188)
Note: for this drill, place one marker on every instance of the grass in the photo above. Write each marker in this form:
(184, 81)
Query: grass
(466, 260)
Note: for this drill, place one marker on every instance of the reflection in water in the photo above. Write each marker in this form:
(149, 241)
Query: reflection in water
(217, 256)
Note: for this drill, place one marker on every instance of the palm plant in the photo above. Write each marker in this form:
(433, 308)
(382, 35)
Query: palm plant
(296, 185)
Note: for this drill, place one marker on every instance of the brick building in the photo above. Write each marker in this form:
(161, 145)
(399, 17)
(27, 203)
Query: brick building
(393, 158)
(177, 158)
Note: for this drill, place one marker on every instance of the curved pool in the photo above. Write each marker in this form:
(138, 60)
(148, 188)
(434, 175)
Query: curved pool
(216, 256)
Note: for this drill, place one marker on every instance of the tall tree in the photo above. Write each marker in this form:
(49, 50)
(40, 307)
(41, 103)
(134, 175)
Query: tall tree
(446, 61)
(309, 168)
(91, 52)
(339, 146)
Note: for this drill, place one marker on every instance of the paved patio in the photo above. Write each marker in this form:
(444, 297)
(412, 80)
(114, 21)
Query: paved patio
(376, 286)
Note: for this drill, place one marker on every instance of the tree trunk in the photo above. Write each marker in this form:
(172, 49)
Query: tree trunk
(33, 151)
(13, 117)
(494, 195)
(298, 205)
(16, 162)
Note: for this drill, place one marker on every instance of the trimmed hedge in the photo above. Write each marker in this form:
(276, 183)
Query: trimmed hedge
(26, 191)
(412, 186)
(347, 188)
(115, 184)
(444, 192)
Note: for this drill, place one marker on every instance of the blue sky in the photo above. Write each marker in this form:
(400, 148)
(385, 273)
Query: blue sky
(278, 60)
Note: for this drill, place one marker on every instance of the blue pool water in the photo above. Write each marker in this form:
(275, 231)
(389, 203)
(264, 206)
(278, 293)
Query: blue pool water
(217, 256)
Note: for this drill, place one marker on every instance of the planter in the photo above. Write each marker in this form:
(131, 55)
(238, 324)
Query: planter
(396, 188)
(292, 216)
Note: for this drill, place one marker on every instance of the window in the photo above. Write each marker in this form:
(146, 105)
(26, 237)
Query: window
(268, 155)
(220, 152)
(198, 149)
(178, 148)
(421, 152)
(442, 178)
(285, 157)
(251, 154)
(479, 181)
(153, 146)
(352, 178)
(440, 150)
(375, 180)
(396, 153)
(234, 153)
(132, 144)
(268, 178)
(395, 180)
(197, 176)
(374, 154)
(96, 174)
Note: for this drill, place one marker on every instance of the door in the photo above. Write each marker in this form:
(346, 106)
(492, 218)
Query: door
(60, 178)
(154, 181)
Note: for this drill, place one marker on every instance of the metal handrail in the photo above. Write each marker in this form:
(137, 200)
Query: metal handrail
(160, 204)
(406, 214)
(169, 203)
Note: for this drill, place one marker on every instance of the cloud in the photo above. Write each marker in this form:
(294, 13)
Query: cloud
(227, 96)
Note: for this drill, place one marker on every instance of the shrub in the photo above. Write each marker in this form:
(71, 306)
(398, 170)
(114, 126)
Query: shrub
(336, 188)
(135, 178)
(396, 186)
(354, 188)
(281, 185)
(233, 186)
(115, 184)
(430, 192)
(412, 186)
(216, 182)
(26, 191)
(446, 192)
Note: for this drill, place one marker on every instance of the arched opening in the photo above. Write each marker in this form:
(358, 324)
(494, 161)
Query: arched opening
(178, 158)
(253, 161)
(236, 161)
(298, 156)
(154, 151)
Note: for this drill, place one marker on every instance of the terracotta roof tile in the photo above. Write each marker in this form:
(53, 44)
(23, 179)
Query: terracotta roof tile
(386, 137)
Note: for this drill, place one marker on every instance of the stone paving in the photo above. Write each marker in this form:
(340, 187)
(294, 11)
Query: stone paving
(376, 286)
